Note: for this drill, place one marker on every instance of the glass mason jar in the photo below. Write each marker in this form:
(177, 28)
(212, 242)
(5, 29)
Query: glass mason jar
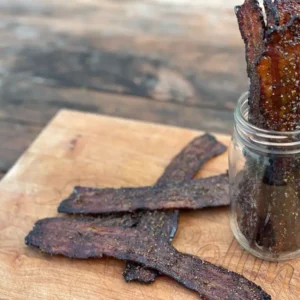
(264, 172)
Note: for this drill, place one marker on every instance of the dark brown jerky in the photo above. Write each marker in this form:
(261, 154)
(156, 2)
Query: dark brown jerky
(183, 167)
(252, 27)
(268, 205)
(82, 239)
(271, 13)
(263, 212)
(192, 194)
(279, 73)
(117, 219)
(286, 9)
(278, 224)
(187, 163)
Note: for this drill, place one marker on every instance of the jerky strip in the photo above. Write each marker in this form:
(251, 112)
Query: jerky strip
(187, 163)
(279, 69)
(263, 215)
(183, 167)
(192, 194)
(77, 238)
(279, 74)
(117, 220)
(286, 10)
(252, 27)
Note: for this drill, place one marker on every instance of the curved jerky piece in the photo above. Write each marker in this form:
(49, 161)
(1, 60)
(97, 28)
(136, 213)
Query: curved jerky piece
(192, 194)
(279, 73)
(252, 27)
(183, 167)
(286, 10)
(190, 159)
(82, 239)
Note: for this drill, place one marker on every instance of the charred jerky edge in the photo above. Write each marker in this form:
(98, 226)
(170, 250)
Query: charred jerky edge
(82, 239)
(271, 13)
(184, 166)
(252, 28)
(192, 194)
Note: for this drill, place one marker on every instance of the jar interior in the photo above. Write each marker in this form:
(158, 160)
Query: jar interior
(264, 183)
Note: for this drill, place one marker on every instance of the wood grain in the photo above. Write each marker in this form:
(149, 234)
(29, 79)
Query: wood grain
(15, 138)
(169, 61)
(18, 132)
(92, 150)
(147, 48)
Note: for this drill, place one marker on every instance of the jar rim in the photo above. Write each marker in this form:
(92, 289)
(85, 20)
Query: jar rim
(262, 140)
(240, 118)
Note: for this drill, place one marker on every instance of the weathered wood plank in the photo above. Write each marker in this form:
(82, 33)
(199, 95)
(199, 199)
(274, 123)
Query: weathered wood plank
(179, 62)
(26, 104)
(112, 152)
(15, 137)
(190, 54)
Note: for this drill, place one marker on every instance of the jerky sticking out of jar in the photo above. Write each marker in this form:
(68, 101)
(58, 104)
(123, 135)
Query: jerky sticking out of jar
(279, 74)
(272, 62)
(267, 195)
(78, 238)
(252, 27)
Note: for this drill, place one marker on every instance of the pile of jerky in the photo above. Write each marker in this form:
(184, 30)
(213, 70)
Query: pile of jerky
(268, 198)
(138, 225)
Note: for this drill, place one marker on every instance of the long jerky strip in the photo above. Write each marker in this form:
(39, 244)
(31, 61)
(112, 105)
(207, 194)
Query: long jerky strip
(282, 47)
(279, 73)
(252, 27)
(82, 239)
(183, 167)
(265, 216)
(192, 194)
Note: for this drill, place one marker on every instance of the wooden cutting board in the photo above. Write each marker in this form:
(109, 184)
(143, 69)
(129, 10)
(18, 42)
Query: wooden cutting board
(85, 149)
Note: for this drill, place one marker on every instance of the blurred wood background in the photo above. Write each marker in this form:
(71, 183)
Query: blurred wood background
(178, 62)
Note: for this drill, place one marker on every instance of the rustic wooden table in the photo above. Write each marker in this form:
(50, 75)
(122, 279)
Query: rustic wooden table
(178, 62)
(90, 150)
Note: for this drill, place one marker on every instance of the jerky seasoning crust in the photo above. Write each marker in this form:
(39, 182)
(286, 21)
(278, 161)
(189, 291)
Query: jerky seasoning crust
(78, 238)
(164, 224)
(145, 242)
(269, 208)
(279, 73)
(192, 194)
(273, 62)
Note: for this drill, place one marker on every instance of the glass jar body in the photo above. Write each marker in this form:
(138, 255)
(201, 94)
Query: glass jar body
(264, 171)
